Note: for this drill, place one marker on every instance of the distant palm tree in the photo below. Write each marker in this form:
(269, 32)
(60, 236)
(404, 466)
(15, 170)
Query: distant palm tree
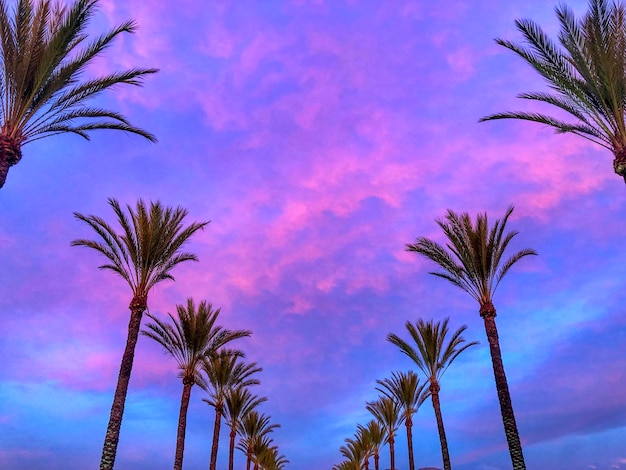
(239, 401)
(405, 389)
(374, 434)
(355, 451)
(42, 92)
(387, 411)
(347, 465)
(271, 459)
(253, 425)
(144, 254)
(260, 446)
(190, 339)
(224, 371)
(473, 261)
(433, 356)
(587, 75)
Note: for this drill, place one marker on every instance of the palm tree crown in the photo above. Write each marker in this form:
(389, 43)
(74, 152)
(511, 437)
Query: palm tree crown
(474, 258)
(433, 355)
(44, 55)
(587, 75)
(148, 248)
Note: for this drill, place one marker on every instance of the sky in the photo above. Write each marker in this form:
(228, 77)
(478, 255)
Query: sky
(318, 138)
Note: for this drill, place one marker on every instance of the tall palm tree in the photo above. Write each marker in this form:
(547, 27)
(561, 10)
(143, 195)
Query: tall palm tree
(433, 356)
(405, 389)
(253, 425)
(224, 371)
(42, 92)
(473, 261)
(239, 401)
(190, 339)
(374, 434)
(144, 254)
(587, 74)
(386, 410)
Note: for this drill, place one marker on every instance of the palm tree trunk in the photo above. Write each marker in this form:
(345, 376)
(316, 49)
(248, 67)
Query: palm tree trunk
(392, 454)
(182, 424)
(109, 450)
(10, 154)
(216, 437)
(409, 439)
(376, 459)
(231, 448)
(434, 395)
(248, 459)
(488, 313)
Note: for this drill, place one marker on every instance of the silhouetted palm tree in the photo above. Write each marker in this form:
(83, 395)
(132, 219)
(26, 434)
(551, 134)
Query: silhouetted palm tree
(387, 411)
(405, 389)
(239, 401)
(433, 356)
(270, 458)
(144, 254)
(586, 74)
(223, 372)
(190, 339)
(374, 434)
(42, 93)
(474, 262)
(253, 425)
(355, 451)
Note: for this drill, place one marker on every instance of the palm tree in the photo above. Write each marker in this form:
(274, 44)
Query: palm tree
(190, 339)
(239, 401)
(386, 410)
(355, 451)
(270, 459)
(260, 445)
(473, 262)
(405, 389)
(364, 440)
(144, 254)
(374, 434)
(433, 356)
(223, 372)
(42, 93)
(253, 425)
(587, 75)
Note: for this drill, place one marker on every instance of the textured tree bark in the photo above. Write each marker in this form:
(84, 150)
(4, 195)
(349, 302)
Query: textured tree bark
(619, 163)
(392, 454)
(182, 423)
(231, 448)
(434, 395)
(376, 459)
(109, 450)
(10, 154)
(409, 439)
(488, 313)
(216, 437)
